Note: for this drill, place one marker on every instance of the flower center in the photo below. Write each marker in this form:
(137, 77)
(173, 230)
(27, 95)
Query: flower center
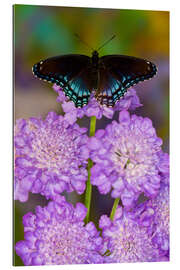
(65, 244)
(53, 149)
(131, 158)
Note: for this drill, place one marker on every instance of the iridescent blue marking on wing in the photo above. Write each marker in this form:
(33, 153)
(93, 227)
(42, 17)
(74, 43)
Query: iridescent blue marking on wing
(70, 72)
(77, 91)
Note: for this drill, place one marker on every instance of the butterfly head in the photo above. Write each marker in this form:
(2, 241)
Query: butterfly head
(95, 56)
(95, 53)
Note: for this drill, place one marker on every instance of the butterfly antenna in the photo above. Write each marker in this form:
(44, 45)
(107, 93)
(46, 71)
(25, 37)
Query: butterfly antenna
(76, 35)
(106, 42)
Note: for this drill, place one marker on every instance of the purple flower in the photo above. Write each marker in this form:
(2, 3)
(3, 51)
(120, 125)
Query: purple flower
(50, 157)
(93, 108)
(160, 205)
(126, 158)
(154, 214)
(56, 235)
(163, 167)
(126, 241)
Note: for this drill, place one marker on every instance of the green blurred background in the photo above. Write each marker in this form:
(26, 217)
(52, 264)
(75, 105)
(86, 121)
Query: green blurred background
(44, 31)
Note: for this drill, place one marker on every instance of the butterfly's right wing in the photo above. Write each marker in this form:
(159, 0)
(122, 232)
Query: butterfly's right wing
(119, 72)
(71, 72)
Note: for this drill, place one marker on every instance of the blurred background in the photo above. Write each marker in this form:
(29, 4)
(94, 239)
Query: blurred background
(44, 31)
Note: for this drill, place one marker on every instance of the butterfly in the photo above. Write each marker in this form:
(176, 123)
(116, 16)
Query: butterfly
(108, 76)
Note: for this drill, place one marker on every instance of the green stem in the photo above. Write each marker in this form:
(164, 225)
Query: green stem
(88, 191)
(113, 211)
(90, 164)
(92, 126)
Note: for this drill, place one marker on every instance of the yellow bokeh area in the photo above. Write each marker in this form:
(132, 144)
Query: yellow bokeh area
(159, 33)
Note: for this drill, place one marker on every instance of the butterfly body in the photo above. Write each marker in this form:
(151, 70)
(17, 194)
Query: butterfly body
(108, 77)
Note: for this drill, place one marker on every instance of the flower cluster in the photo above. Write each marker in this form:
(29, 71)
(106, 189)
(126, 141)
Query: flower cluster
(125, 240)
(126, 157)
(154, 214)
(55, 155)
(56, 234)
(50, 157)
(93, 108)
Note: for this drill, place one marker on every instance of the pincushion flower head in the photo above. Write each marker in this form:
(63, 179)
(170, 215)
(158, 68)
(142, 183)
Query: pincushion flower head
(154, 214)
(160, 205)
(50, 156)
(126, 241)
(94, 108)
(126, 159)
(56, 235)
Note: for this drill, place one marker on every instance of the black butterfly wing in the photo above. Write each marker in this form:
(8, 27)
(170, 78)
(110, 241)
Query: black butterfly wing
(71, 72)
(119, 72)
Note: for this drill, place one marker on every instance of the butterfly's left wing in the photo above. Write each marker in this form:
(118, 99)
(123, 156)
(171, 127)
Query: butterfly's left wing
(119, 72)
(71, 72)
